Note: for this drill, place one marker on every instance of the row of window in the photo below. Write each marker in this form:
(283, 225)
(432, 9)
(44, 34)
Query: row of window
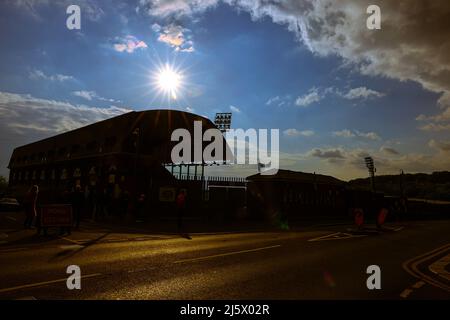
(67, 152)
(62, 174)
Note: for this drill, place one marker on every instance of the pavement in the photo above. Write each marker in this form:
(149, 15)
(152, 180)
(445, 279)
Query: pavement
(317, 261)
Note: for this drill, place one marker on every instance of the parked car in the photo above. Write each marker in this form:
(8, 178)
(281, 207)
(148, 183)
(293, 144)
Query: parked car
(9, 204)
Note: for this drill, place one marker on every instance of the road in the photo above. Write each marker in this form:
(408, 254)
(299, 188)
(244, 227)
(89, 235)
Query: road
(318, 262)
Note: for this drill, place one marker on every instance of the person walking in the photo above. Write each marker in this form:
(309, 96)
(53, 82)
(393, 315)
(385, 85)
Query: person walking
(181, 208)
(30, 206)
(77, 205)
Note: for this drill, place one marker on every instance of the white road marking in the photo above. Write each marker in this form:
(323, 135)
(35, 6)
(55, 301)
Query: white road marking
(39, 284)
(337, 236)
(227, 254)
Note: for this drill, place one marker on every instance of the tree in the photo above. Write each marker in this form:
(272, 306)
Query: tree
(3, 184)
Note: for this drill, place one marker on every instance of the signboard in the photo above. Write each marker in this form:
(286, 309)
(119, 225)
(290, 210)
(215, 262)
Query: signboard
(56, 215)
(382, 216)
(359, 216)
(167, 194)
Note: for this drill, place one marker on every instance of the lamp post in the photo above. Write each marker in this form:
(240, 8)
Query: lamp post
(136, 134)
(371, 167)
(223, 121)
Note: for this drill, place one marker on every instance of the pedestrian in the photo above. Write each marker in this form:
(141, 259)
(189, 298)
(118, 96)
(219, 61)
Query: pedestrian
(140, 208)
(181, 208)
(77, 205)
(30, 206)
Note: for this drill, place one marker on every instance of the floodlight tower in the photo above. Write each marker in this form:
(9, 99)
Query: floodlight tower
(371, 167)
(223, 121)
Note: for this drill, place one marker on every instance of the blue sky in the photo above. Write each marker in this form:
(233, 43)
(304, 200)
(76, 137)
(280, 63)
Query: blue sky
(335, 90)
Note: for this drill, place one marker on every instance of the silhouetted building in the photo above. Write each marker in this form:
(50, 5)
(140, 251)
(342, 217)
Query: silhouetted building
(295, 195)
(116, 158)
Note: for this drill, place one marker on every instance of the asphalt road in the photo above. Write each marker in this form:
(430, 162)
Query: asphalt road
(327, 262)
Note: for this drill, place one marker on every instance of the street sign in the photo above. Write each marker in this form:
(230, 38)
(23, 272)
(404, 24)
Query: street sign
(359, 216)
(56, 215)
(382, 216)
(167, 194)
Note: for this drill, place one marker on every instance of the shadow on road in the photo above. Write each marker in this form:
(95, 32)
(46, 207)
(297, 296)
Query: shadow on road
(62, 255)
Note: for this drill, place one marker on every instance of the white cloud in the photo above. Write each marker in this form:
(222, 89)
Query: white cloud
(346, 133)
(128, 44)
(362, 93)
(279, 101)
(343, 133)
(311, 97)
(175, 36)
(40, 75)
(26, 111)
(235, 109)
(25, 119)
(406, 48)
(156, 27)
(389, 151)
(90, 95)
(174, 8)
(435, 127)
(439, 122)
(330, 153)
(443, 146)
(296, 133)
(368, 135)
(273, 100)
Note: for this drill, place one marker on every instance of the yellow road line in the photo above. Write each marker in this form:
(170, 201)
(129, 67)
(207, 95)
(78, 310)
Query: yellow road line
(438, 267)
(39, 284)
(406, 293)
(411, 266)
(418, 285)
(227, 254)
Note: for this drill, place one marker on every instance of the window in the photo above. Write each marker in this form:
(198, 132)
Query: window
(92, 146)
(76, 148)
(110, 143)
(50, 154)
(62, 152)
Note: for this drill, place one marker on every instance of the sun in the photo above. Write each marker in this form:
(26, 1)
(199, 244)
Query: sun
(169, 80)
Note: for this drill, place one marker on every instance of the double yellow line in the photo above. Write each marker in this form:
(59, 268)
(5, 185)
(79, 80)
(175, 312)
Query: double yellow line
(412, 267)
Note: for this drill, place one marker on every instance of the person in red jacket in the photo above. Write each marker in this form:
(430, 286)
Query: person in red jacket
(30, 206)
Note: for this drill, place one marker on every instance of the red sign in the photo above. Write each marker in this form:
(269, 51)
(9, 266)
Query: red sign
(382, 216)
(359, 217)
(56, 215)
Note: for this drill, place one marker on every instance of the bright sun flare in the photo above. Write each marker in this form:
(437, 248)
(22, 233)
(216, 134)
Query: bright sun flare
(169, 81)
